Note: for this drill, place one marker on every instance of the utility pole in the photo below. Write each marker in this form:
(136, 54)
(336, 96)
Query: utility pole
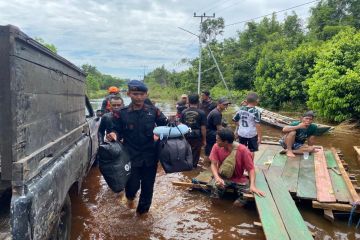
(200, 46)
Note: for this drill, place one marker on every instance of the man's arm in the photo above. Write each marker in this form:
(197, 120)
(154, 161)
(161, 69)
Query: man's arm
(288, 129)
(161, 119)
(215, 171)
(253, 188)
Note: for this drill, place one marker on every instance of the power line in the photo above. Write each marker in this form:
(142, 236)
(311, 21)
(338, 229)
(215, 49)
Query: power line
(249, 20)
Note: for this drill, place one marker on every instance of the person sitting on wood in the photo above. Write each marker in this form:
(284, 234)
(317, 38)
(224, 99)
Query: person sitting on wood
(229, 160)
(297, 133)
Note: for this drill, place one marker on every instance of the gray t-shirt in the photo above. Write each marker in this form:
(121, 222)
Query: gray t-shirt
(247, 117)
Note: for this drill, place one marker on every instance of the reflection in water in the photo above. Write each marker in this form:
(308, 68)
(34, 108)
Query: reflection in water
(177, 213)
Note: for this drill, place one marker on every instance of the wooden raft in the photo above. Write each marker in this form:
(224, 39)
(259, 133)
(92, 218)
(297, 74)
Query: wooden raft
(321, 178)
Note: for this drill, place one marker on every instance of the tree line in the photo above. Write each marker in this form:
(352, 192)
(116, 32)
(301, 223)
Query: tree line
(288, 63)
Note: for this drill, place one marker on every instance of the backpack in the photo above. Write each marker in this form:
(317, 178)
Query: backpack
(189, 118)
(227, 167)
(175, 154)
(114, 164)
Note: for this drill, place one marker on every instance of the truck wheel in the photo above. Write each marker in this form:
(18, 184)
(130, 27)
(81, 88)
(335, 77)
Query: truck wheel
(63, 228)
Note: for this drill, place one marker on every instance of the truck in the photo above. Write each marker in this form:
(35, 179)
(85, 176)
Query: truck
(48, 138)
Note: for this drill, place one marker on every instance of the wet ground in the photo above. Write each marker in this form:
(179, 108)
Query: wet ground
(177, 213)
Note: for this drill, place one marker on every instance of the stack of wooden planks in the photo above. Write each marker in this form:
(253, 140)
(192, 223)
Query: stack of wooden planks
(320, 178)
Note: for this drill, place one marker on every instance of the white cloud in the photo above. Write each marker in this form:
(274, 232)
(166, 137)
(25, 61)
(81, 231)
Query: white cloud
(120, 37)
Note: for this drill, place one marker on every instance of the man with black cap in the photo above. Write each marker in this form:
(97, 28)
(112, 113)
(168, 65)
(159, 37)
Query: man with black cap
(297, 133)
(134, 124)
(214, 124)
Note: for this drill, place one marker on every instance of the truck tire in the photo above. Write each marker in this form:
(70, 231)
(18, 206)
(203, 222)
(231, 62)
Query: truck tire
(62, 229)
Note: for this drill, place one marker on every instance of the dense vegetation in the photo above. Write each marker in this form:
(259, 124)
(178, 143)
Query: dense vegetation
(289, 64)
(97, 83)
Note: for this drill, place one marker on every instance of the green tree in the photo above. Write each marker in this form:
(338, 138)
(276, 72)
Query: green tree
(334, 88)
(329, 15)
(49, 46)
(211, 28)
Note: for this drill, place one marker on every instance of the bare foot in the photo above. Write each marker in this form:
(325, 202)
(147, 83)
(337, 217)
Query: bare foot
(131, 204)
(290, 154)
(238, 204)
(121, 197)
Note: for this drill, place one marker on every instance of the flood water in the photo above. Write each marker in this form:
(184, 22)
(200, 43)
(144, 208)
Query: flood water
(178, 213)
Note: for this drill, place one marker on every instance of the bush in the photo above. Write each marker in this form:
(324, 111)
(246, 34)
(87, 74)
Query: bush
(334, 88)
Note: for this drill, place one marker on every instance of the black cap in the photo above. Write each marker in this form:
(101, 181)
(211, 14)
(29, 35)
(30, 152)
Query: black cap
(224, 100)
(136, 85)
(309, 114)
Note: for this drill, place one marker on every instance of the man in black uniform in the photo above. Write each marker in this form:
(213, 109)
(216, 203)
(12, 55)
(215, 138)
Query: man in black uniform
(214, 124)
(207, 104)
(195, 118)
(134, 124)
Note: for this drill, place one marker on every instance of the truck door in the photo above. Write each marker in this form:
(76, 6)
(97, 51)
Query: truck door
(93, 122)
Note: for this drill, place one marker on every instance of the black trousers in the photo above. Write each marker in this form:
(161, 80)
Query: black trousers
(196, 144)
(143, 177)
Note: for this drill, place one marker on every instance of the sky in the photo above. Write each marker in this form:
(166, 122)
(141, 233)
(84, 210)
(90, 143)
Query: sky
(126, 38)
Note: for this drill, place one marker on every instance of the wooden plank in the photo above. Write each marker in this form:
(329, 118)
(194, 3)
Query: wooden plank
(324, 189)
(267, 157)
(293, 221)
(28, 167)
(306, 187)
(278, 164)
(340, 189)
(334, 206)
(290, 173)
(357, 149)
(259, 153)
(329, 215)
(270, 218)
(350, 186)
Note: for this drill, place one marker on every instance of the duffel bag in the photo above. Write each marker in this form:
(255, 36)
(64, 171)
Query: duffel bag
(175, 155)
(114, 164)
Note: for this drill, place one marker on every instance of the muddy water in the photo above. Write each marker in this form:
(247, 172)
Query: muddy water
(177, 213)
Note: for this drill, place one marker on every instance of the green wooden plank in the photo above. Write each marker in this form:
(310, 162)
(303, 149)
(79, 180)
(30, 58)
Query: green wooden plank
(259, 153)
(290, 173)
(341, 192)
(267, 156)
(278, 164)
(293, 221)
(271, 221)
(306, 187)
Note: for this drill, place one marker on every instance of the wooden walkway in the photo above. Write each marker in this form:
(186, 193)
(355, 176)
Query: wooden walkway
(321, 179)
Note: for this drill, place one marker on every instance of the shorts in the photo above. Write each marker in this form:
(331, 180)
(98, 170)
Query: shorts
(295, 146)
(250, 143)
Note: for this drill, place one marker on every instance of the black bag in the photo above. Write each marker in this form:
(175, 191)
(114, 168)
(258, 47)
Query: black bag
(175, 154)
(114, 164)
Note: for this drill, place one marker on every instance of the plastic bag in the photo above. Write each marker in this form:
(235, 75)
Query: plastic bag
(114, 164)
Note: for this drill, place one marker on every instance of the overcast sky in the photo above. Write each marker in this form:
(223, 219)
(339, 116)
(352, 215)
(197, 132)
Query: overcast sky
(121, 37)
